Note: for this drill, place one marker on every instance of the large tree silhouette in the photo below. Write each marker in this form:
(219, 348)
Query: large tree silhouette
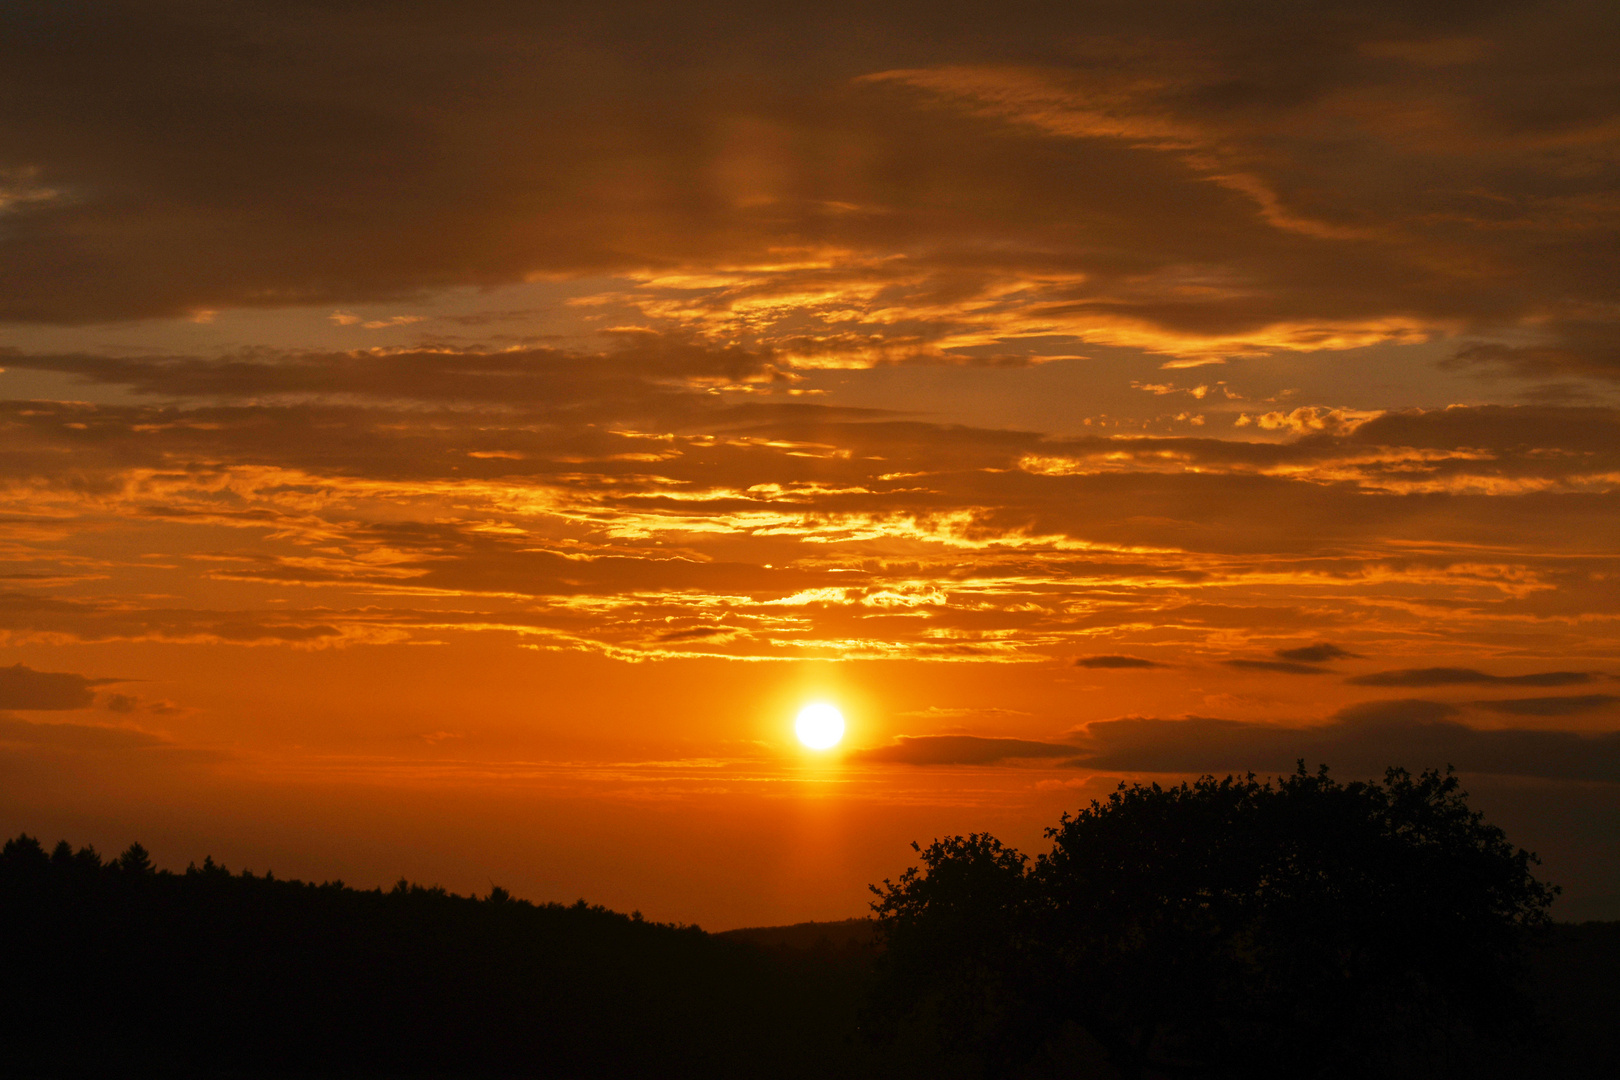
(1325, 929)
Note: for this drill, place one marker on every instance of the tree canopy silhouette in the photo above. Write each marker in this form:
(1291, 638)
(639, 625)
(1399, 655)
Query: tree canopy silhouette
(1332, 929)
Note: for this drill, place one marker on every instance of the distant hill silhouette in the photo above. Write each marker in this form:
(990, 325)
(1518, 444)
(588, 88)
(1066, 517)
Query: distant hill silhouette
(1577, 981)
(108, 967)
(841, 935)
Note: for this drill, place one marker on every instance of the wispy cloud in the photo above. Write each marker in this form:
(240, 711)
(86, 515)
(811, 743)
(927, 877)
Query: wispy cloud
(1278, 667)
(1446, 676)
(959, 750)
(1549, 706)
(1319, 653)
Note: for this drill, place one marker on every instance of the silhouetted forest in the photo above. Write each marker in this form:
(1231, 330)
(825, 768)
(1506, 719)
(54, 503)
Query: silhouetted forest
(1116, 955)
(112, 965)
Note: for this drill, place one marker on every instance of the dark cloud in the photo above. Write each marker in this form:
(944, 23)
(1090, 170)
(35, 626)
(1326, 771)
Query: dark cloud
(1572, 347)
(1505, 431)
(1115, 661)
(640, 365)
(1361, 741)
(23, 615)
(24, 688)
(698, 633)
(959, 750)
(1348, 174)
(1448, 676)
(1278, 667)
(1315, 654)
(1548, 706)
(76, 736)
(1398, 711)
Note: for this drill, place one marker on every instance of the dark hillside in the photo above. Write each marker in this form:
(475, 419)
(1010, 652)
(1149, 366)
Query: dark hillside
(844, 935)
(1577, 976)
(106, 966)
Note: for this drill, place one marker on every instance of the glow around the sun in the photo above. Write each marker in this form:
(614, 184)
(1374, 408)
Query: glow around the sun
(820, 726)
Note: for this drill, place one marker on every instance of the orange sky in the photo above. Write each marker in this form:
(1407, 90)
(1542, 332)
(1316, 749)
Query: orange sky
(454, 440)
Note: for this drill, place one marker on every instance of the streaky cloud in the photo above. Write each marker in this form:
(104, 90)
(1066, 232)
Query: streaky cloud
(1450, 676)
(959, 750)
(1396, 711)
(1316, 654)
(1548, 706)
(1278, 667)
(77, 736)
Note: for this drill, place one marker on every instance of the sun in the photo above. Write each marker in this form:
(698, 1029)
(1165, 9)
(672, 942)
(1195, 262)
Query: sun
(819, 726)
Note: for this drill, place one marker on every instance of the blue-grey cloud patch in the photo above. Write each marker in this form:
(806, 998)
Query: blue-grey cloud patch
(959, 750)
(1450, 676)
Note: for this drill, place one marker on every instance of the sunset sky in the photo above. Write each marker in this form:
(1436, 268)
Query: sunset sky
(454, 440)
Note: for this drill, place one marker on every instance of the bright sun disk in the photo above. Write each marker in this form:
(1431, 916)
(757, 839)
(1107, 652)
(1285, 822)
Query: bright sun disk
(819, 726)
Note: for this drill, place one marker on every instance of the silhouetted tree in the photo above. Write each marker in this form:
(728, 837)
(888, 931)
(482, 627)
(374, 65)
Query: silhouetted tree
(25, 853)
(135, 860)
(958, 944)
(1334, 929)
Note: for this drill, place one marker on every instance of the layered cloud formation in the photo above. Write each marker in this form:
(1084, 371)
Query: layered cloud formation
(536, 492)
(853, 183)
(1041, 369)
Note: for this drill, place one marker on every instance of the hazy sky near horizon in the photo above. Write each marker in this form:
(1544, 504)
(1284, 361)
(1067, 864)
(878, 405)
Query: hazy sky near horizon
(453, 440)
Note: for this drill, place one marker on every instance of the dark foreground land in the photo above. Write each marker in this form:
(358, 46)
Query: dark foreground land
(115, 969)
